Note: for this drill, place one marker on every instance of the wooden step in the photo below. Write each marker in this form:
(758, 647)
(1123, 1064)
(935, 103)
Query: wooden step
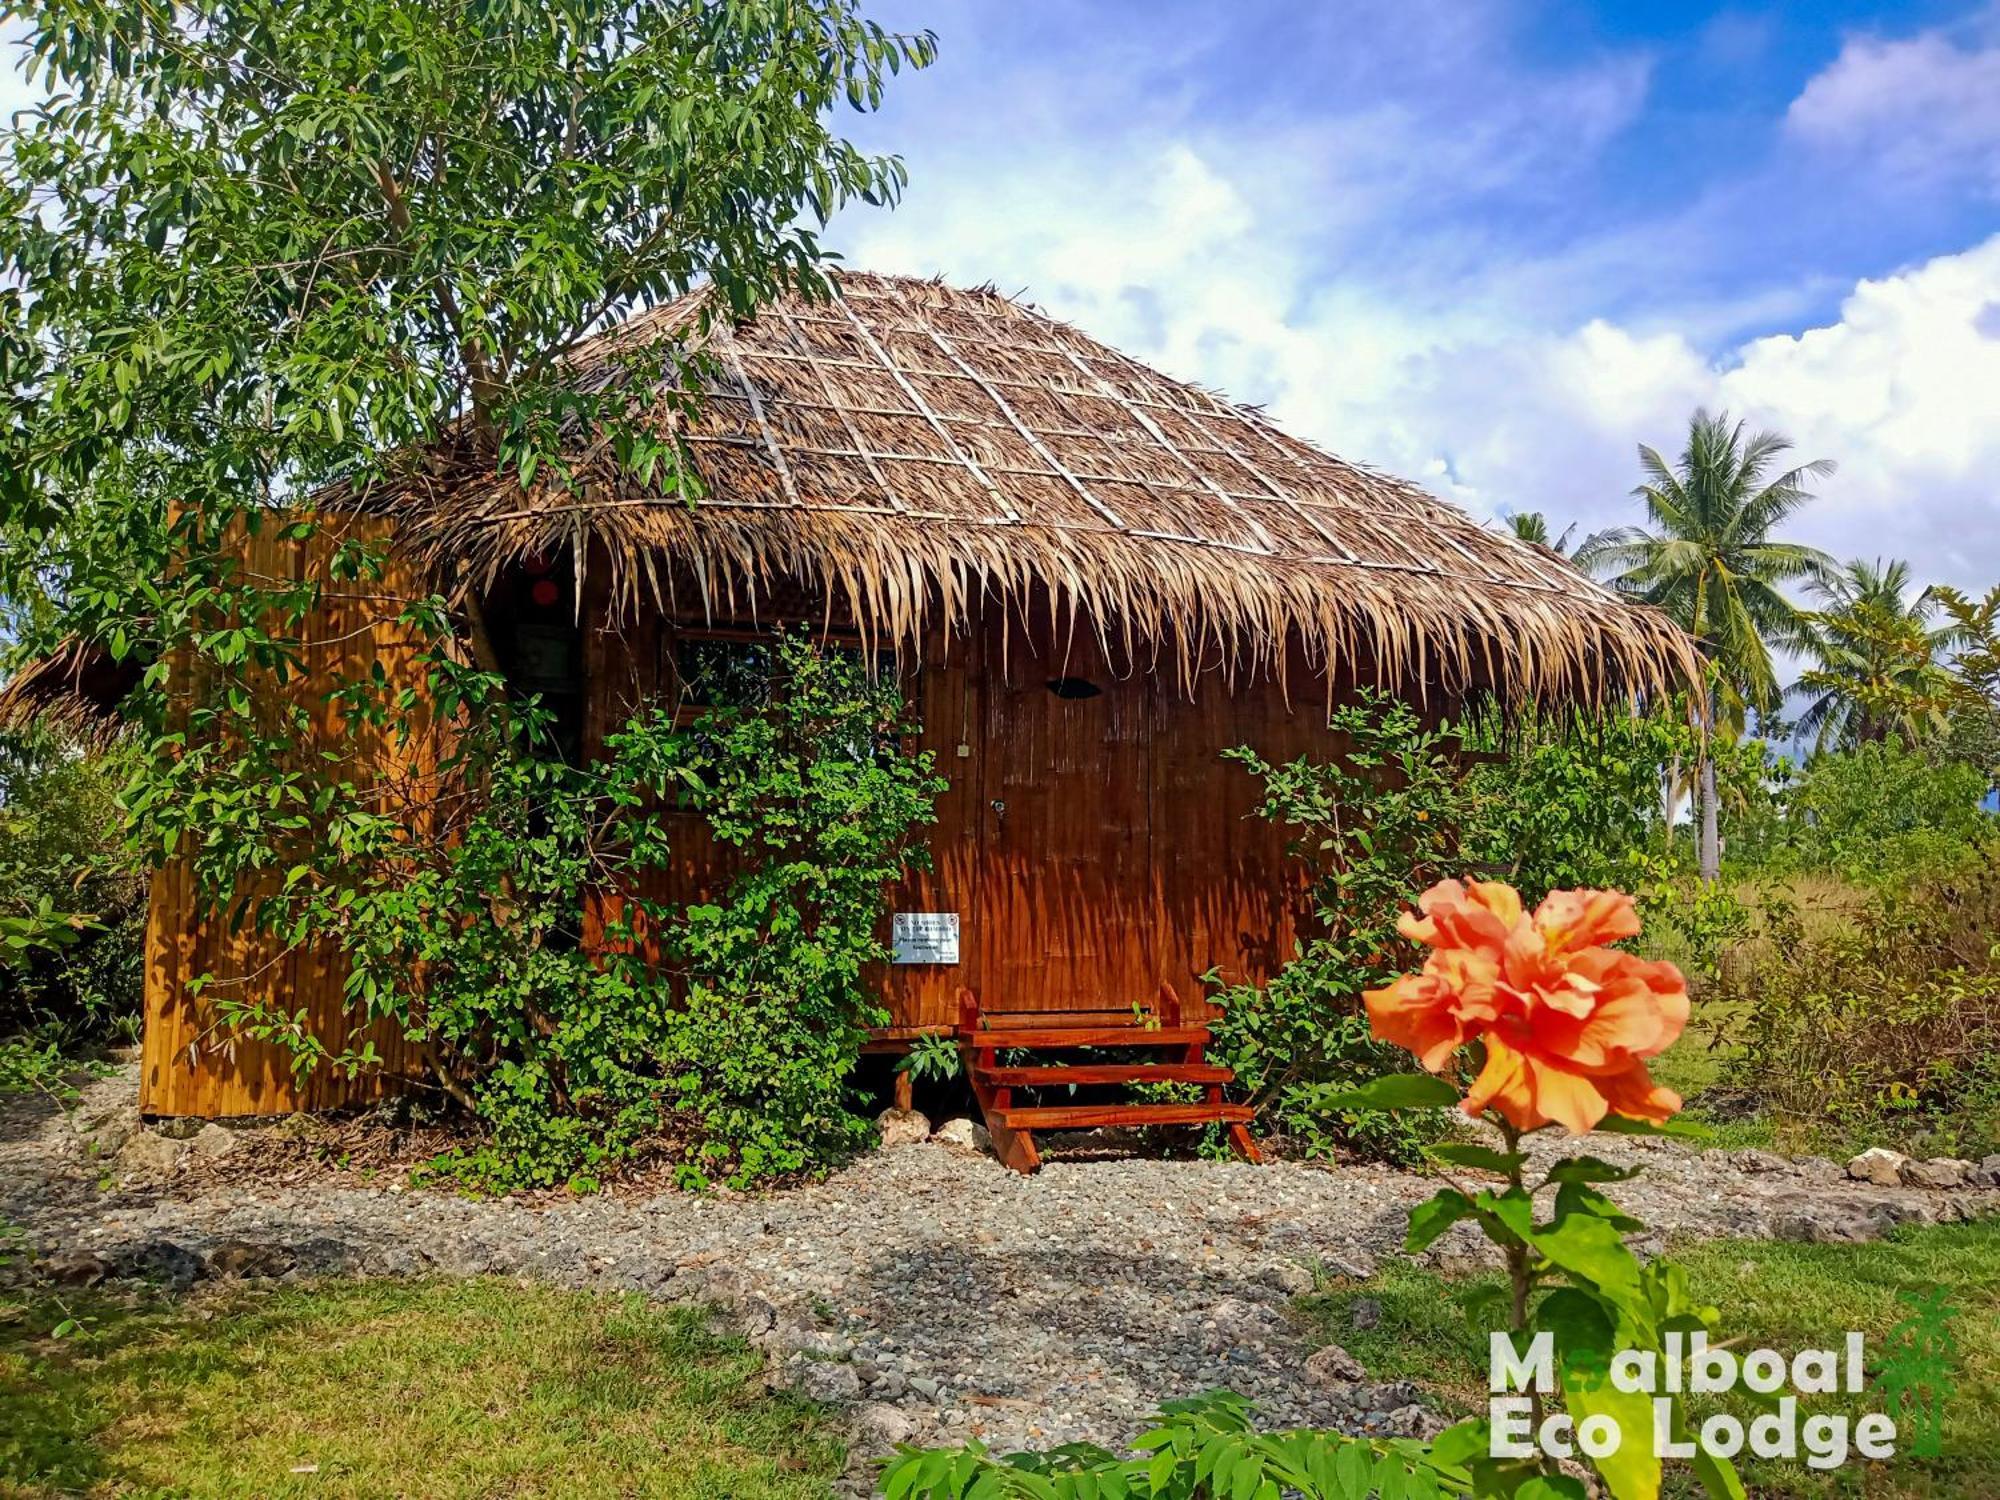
(1042, 1020)
(1086, 1036)
(1084, 1116)
(1034, 1078)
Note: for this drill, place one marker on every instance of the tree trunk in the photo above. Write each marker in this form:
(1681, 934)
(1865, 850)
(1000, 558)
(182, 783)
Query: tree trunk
(1670, 799)
(1711, 837)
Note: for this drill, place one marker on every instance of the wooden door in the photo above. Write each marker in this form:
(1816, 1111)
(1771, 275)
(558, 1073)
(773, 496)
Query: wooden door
(1065, 902)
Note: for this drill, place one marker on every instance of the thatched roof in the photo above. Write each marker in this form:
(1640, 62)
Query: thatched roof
(919, 452)
(918, 449)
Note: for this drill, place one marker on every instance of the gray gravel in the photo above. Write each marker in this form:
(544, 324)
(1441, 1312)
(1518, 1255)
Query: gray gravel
(930, 1291)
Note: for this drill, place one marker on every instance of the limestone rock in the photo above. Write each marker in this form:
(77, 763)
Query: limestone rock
(1987, 1173)
(150, 1155)
(825, 1380)
(323, 1255)
(1939, 1172)
(1758, 1163)
(903, 1127)
(1289, 1277)
(878, 1426)
(1878, 1165)
(214, 1140)
(1366, 1314)
(74, 1268)
(964, 1135)
(172, 1266)
(1333, 1365)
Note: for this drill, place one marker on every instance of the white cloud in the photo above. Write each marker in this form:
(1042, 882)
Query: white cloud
(1901, 390)
(1921, 111)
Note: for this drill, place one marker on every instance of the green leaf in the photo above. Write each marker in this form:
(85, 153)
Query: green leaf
(1552, 1487)
(1586, 1339)
(1718, 1476)
(1483, 1158)
(1590, 1169)
(1431, 1218)
(1396, 1091)
(1463, 1442)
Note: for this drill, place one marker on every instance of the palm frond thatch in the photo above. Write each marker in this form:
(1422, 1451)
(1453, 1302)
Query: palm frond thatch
(919, 449)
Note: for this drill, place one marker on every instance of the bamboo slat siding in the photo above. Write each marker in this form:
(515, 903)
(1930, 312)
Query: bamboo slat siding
(190, 1064)
(1123, 852)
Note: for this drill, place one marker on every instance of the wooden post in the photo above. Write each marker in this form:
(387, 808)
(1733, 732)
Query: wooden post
(1015, 1148)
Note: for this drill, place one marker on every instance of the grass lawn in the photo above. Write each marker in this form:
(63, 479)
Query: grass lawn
(1783, 1297)
(367, 1389)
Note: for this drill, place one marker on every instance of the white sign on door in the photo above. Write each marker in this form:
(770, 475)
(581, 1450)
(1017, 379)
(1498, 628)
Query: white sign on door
(924, 937)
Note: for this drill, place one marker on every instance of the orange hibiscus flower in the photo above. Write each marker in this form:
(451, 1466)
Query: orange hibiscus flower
(1567, 1023)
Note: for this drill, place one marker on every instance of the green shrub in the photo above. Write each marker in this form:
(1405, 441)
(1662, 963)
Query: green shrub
(1887, 1026)
(1543, 803)
(719, 1035)
(72, 909)
(1882, 815)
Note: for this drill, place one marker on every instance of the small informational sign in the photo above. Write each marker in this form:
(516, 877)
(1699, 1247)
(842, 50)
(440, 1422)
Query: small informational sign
(924, 937)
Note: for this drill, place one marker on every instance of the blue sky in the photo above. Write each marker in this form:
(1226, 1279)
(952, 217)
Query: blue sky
(1493, 244)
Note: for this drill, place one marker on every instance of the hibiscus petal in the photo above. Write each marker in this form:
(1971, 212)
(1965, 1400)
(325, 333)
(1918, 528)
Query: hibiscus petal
(1503, 1085)
(1570, 1099)
(1416, 1013)
(1634, 1095)
(1572, 920)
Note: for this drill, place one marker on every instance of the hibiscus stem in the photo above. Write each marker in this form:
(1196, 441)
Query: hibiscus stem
(1520, 1271)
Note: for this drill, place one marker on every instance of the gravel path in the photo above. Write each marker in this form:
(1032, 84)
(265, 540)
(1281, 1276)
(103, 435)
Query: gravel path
(926, 1288)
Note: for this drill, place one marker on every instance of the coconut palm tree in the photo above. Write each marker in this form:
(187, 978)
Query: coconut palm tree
(1709, 559)
(1880, 663)
(1533, 526)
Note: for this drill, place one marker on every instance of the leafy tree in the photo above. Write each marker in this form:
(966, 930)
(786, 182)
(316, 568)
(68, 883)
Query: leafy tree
(1532, 526)
(252, 248)
(1975, 720)
(1879, 660)
(1710, 559)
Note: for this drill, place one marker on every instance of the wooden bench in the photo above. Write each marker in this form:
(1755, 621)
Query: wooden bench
(984, 1033)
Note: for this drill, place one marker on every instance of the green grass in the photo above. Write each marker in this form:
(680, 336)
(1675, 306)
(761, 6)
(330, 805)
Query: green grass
(1784, 1297)
(433, 1389)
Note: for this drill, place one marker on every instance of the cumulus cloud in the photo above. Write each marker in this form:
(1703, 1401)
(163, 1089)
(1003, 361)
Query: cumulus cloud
(1921, 110)
(1899, 389)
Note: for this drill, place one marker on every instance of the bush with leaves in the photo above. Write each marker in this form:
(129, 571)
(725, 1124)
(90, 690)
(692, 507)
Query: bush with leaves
(1886, 1026)
(1881, 815)
(72, 909)
(1402, 803)
(719, 1034)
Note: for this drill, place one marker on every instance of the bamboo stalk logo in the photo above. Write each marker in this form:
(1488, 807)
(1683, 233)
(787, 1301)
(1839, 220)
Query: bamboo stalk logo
(1916, 1369)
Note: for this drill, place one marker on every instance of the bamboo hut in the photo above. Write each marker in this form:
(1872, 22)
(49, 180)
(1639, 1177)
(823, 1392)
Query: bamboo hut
(1092, 578)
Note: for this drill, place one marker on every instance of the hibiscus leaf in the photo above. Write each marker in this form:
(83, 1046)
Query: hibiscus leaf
(1397, 1091)
(1509, 1217)
(1585, 1339)
(1591, 1169)
(1484, 1158)
(1592, 1253)
(1552, 1487)
(1580, 1198)
(1467, 1440)
(1624, 1125)
(1432, 1218)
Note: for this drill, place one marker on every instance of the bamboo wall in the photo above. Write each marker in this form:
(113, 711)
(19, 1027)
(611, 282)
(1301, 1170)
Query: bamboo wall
(190, 1063)
(1093, 847)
